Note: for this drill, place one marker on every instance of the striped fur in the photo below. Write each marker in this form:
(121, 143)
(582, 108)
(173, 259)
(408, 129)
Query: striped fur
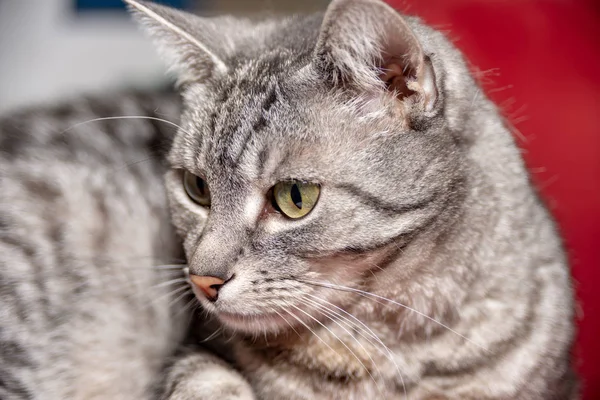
(428, 268)
(425, 204)
(83, 222)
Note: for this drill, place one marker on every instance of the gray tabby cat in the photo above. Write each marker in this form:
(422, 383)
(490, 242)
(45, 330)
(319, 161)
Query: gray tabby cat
(358, 213)
(352, 211)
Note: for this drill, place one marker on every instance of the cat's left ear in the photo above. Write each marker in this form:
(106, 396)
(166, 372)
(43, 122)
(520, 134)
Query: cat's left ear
(366, 43)
(195, 47)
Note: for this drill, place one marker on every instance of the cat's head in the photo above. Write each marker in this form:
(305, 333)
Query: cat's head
(313, 151)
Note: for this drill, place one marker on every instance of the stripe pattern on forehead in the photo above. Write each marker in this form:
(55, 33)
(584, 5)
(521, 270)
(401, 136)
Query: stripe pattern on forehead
(240, 112)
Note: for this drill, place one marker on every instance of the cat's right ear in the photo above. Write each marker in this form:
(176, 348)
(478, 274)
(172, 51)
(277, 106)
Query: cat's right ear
(189, 43)
(368, 45)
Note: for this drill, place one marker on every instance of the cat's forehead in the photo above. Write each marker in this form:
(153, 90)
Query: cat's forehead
(246, 111)
(273, 123)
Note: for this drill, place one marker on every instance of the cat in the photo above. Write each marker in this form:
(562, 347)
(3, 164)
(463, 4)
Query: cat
(338, 194)
(356, 212)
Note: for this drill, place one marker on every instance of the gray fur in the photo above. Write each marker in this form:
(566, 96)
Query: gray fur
(83, 223)
(425, 201)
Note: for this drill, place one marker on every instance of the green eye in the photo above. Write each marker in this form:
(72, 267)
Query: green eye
(196, 188)
(295, 199)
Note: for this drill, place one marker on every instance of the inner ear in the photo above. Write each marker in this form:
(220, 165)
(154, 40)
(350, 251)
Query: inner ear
(404, 79)
(404, 68)
(396, 74)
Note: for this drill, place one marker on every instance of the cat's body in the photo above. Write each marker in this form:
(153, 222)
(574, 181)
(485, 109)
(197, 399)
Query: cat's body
(424, 203)
(84, 221)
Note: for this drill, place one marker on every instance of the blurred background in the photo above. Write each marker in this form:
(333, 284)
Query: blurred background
(55, 48)
(538, 59)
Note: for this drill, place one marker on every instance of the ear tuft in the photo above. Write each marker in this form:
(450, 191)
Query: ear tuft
(183, 39)
(367, 44)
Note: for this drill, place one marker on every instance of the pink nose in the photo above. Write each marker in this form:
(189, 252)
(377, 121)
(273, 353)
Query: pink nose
(208, 285)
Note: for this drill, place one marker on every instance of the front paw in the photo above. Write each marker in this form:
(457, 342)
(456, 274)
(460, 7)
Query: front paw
(202, 376)
(211, 387)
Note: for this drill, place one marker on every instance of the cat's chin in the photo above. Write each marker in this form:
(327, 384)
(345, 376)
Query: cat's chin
(254, 324)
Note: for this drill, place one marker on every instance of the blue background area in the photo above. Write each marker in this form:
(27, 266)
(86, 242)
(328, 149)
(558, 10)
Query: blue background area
(93, 5)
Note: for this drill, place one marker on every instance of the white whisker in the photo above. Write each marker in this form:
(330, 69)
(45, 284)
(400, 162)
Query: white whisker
(313, 332)
(125, 117)
(186, 306)
(171, 293)
(341, 341)
(319, 308)
(286, 321)
(168, 283)
(364, 328)
(170, 266)
(373, 296)
(213, 335)
(181, 296)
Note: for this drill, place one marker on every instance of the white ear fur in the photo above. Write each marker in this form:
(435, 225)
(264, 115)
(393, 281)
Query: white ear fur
(367, 43)
(182, 39)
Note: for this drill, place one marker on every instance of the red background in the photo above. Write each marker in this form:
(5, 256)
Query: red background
(541, 64)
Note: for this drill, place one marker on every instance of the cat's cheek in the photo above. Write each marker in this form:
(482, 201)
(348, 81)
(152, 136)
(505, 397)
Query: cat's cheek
(343, 267)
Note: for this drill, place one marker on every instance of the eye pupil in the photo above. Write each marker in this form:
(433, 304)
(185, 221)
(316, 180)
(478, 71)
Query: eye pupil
(294, 199)
(296, 196)
(201, 186)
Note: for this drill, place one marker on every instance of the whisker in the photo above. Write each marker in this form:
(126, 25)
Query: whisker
(120, 259)
(133, 163)
(169, 282)
(341, 341)
(349, 323)
(174, 301)
(231, 336)
(374, 296)
(185, 307)
(125, 117)
(287, 322)
(171, 293)
(170, 266)
(372, 334)
(311, 331)
(389, 355)
(212, 335)
(318, 307)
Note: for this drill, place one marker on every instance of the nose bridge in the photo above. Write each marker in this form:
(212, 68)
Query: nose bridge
(219, 247)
